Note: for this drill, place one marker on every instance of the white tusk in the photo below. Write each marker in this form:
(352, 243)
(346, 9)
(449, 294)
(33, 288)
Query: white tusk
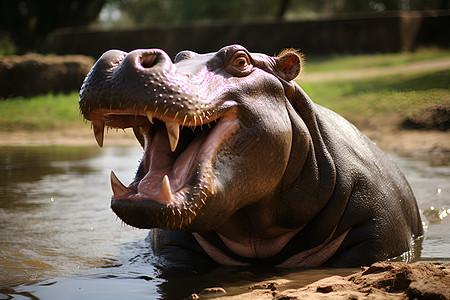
(165, 194)
(173, 131)
(99, 131)
(150, 117)
(118, 187)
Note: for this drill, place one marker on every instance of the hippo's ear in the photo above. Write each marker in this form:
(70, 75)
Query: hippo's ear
(289, 64)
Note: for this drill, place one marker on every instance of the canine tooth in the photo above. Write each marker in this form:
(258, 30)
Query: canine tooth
(173, 131)
(99, 131)
(150, 117)
(165, 194)
(118, 187)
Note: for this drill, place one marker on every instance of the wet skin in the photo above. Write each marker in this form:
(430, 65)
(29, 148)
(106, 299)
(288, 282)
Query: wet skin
(240, 167)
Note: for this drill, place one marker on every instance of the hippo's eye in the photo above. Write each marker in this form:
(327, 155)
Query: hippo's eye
(239, 64)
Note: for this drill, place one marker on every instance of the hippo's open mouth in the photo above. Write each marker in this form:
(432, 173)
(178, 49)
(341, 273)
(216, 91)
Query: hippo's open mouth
(182, 128)
(177, 167)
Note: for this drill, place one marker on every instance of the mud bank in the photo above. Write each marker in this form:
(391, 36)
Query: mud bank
(401, 142)
(381, 280)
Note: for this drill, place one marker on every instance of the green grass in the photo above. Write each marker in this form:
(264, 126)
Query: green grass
(385, 96)
(358, 99)
(364, 61)
(45, 112)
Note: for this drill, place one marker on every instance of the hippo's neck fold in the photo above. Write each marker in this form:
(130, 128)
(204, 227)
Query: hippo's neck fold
(311, 173)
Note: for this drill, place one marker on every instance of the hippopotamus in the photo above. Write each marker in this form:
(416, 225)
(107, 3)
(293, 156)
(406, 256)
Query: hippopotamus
(241, 168)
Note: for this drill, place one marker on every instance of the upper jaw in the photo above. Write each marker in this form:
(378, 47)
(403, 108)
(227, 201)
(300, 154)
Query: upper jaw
(124, 119)
(117, 117)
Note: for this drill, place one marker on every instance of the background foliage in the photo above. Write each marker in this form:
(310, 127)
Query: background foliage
(28, 23)
(178, 11)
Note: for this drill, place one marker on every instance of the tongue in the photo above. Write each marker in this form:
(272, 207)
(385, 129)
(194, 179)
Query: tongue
(162, 162)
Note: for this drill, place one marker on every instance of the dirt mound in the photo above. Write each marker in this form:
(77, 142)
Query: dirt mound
(34, 74)
(436, 117)
(382, 280)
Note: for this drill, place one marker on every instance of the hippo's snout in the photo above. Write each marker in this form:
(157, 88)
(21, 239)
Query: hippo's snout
(142, 83)
(119, 78)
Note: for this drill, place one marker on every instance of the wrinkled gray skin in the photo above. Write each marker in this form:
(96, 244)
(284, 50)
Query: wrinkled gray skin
(260, 174)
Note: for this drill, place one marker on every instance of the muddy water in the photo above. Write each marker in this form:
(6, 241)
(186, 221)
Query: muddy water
(60, 240)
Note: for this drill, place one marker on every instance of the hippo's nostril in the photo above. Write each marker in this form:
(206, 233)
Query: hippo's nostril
(148, 60)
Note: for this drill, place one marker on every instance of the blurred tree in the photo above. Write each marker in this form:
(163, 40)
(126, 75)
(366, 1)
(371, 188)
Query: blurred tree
(429, 4)
(282, 8)
(372, 5)
(181, 11)
(29, 22)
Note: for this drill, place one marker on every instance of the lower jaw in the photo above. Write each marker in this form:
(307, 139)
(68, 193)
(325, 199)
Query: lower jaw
(146, 212)
(148, 217)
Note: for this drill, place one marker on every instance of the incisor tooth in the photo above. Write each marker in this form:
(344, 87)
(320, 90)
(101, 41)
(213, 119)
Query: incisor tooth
(165, 193)
(99, 131)
(173, 131)
(150, 117)
(118, 187)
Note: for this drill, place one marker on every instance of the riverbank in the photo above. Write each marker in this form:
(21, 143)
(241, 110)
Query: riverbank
(82, 136)
(393, 140)
(387, 96)
(381, 280)
(411, 142)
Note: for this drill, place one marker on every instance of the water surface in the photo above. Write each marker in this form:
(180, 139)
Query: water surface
(60, 240)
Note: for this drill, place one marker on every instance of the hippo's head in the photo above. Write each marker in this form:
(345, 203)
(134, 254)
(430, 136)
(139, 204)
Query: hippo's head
(215, 129)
